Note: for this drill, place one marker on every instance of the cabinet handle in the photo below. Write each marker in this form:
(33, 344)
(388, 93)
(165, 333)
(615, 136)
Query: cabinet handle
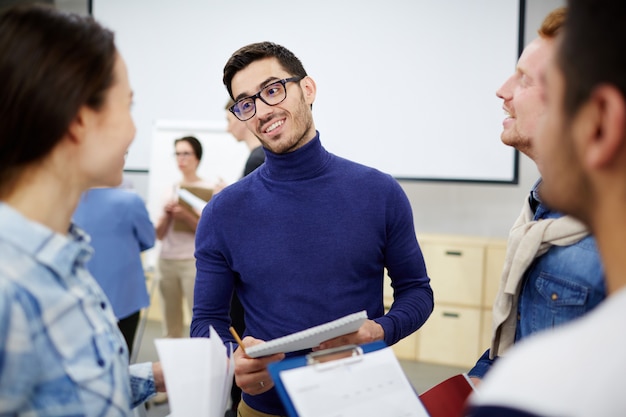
(454, 253)
(451, 315)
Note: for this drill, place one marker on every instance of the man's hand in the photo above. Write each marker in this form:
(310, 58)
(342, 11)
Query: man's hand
(251, 375)
(370, 331)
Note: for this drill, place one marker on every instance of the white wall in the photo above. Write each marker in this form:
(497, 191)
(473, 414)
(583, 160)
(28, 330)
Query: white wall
(449, 207)
(389, 74)
(475, 209)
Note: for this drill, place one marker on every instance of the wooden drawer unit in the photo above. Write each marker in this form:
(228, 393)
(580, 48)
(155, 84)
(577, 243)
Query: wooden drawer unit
(407, 348)
(451, 336)
(494, 263)
(485, 332)
(456, 272)
(465, 275)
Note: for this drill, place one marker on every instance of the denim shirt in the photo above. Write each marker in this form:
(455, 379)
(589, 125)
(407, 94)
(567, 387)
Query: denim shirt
(561, 285)
(61, 353)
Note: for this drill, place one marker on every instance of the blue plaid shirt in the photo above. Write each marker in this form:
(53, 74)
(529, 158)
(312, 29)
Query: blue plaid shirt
(61, 353)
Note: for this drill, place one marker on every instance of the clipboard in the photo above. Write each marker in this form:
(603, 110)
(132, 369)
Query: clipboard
(350, 381)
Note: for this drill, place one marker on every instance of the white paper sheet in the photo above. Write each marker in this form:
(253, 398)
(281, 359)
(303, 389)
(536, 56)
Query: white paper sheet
(370, 385)
(198, 375)
(194, 201)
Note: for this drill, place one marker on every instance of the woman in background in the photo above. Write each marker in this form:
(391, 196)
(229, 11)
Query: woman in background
(65, 126)
(176, 228)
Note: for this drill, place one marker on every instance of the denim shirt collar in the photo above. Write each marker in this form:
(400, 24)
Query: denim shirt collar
(58, 252)
(541, 210)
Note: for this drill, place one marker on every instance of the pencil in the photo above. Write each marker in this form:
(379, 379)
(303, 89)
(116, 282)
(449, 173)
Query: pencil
(237, 338)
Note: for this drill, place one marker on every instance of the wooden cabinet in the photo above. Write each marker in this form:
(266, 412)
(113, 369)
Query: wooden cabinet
(451, 336)
(456, 271)
(465, 276)
(494, 262)
(486, 317)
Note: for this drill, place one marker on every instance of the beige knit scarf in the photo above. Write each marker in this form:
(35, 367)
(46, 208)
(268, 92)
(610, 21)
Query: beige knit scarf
(527, 240)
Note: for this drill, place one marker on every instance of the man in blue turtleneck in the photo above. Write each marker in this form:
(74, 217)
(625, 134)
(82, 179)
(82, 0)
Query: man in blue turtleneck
(305, 238)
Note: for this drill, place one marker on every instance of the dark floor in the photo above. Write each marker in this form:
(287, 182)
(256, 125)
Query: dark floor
(421, 375)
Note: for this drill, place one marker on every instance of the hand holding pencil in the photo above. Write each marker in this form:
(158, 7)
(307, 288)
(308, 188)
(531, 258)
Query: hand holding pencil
(237, 338)
(251, 374)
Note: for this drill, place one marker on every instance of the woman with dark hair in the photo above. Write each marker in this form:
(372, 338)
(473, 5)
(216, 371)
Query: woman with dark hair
(65, 126)
(176, 229)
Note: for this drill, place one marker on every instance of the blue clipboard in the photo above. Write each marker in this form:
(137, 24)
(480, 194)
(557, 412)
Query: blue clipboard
(275, 368)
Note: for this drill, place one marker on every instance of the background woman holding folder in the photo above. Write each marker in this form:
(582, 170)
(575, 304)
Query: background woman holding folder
(176, 228)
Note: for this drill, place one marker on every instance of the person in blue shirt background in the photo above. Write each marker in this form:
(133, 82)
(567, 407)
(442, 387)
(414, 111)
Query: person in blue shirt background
(120, 229)
(552, 271)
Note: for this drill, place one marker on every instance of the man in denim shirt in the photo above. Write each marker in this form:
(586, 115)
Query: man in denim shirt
(583, 163)
(552, 272)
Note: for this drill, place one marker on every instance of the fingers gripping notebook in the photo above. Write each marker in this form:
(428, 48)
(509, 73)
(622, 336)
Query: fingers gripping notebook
(310, 337)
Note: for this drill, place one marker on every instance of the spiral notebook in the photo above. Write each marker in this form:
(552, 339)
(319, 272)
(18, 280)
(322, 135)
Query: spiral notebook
(310, 337)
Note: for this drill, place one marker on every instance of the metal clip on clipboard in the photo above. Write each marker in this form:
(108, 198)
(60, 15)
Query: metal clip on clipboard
(330, 358)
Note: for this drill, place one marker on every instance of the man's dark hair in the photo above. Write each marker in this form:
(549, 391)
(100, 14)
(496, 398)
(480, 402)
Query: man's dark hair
(591, 51)
(257, 51)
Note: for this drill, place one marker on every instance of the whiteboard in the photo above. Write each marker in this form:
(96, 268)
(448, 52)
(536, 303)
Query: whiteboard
(406, 86)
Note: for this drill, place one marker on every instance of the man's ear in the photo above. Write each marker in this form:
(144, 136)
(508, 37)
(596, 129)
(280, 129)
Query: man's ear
(607, 137)
(309, 89)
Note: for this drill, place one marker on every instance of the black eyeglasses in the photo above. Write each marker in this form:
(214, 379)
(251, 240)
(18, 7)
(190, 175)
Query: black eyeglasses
(272, 94)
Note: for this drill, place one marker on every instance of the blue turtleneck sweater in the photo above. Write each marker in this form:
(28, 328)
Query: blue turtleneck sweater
(304, 239)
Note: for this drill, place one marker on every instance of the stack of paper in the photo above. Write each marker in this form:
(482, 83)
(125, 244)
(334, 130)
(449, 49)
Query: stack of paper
(198, 375)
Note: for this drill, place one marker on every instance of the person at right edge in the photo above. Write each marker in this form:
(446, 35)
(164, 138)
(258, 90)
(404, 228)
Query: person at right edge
(577, 370)
(305, 238)
(552, 272)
